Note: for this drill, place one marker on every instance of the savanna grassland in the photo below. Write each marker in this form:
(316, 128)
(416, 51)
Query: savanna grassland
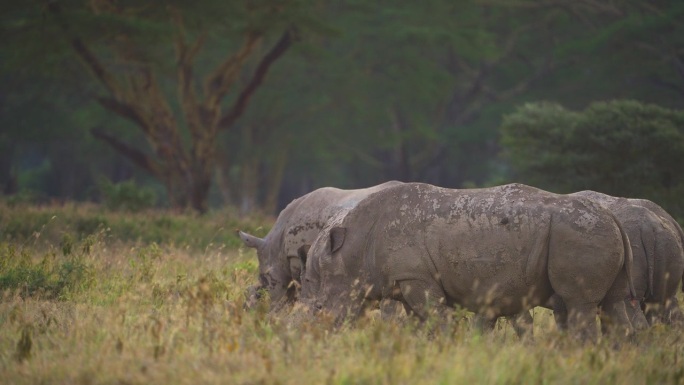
(89, 296)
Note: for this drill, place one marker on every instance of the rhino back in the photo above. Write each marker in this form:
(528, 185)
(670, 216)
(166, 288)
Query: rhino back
(316, 209)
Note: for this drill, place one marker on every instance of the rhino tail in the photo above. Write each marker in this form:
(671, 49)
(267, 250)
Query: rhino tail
(675, 223)
(648, 245)
(629, 257)
(681, 236)
(538, 256)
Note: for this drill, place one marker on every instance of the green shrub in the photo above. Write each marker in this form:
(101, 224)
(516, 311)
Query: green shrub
(126, 196)
(51, 277)
(47, 226)
(622, 148)
(27, 197)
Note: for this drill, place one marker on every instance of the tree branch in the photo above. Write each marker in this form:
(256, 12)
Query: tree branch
(262, 69)
(455, 61)
(124, 110)
(219, 82)
(667, 85)
(185, 55)
(84, 53)
(136, 156)
(521, 86)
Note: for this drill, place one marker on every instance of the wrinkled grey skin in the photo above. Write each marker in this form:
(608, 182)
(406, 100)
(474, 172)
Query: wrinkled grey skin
(295, 229)
(495, 251)
(657, 244)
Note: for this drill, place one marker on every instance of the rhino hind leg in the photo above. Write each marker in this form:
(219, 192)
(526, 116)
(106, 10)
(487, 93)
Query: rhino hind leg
(560, 312)
(668, 313)
(674, 313)
(614, 318)
(581, 319)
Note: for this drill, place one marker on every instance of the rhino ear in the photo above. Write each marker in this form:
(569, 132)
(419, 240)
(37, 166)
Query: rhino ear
(337, 238)
(251, 240)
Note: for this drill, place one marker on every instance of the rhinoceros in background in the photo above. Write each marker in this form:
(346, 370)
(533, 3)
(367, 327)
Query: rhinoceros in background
(658, 247)
(297, 225)
(496, 251)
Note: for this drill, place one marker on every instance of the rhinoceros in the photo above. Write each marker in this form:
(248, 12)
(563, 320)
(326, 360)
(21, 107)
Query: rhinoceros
(280, 252)
(657, 245)
(495, 251)
(656, 240)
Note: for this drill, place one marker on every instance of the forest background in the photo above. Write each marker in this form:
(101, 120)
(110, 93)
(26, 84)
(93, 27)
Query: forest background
(203, 104)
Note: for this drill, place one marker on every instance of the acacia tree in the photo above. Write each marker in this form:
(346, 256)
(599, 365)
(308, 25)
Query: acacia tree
(181, 133)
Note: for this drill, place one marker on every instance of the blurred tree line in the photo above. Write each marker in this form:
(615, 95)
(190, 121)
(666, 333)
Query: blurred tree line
(252, 103)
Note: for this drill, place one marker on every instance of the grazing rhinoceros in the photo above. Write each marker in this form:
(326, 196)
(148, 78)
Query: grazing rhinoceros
(293, 232)
(496, 251)
(657, 244)
(656, 240)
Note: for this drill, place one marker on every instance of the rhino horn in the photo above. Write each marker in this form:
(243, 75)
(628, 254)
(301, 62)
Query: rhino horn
(337, 238)
(251, 240)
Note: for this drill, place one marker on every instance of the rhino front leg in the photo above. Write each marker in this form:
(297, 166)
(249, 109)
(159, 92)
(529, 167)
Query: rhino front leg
(522, 323)
(423, 300)
(252, 296)
(484, 323)
(391, 309)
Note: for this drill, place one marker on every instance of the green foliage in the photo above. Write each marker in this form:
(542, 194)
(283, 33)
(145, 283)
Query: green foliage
(144, 261)
(622, 148)
(534, 139)
(71, 224)
(50, 277)
(371, 90)
(126, 196)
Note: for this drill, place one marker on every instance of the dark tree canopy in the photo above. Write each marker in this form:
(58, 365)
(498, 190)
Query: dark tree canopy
(252, 103)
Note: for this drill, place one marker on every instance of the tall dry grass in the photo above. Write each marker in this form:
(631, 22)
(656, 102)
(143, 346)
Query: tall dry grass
(155, 312)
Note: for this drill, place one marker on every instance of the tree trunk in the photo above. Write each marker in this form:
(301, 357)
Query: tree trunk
(400, 167)
(8, 178)
(274, 183)
(135, 95)
(249, 186)
(225, 183)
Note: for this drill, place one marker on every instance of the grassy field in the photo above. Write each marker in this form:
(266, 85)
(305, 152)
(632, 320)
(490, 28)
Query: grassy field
(94, 297)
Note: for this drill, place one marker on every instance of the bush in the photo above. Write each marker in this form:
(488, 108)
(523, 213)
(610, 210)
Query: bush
(622, 148)
(126, 196)
(47, 225)
(51, 277)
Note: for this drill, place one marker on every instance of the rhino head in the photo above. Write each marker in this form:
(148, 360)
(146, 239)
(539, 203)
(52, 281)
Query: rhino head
(333, 280)
(274, 273)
